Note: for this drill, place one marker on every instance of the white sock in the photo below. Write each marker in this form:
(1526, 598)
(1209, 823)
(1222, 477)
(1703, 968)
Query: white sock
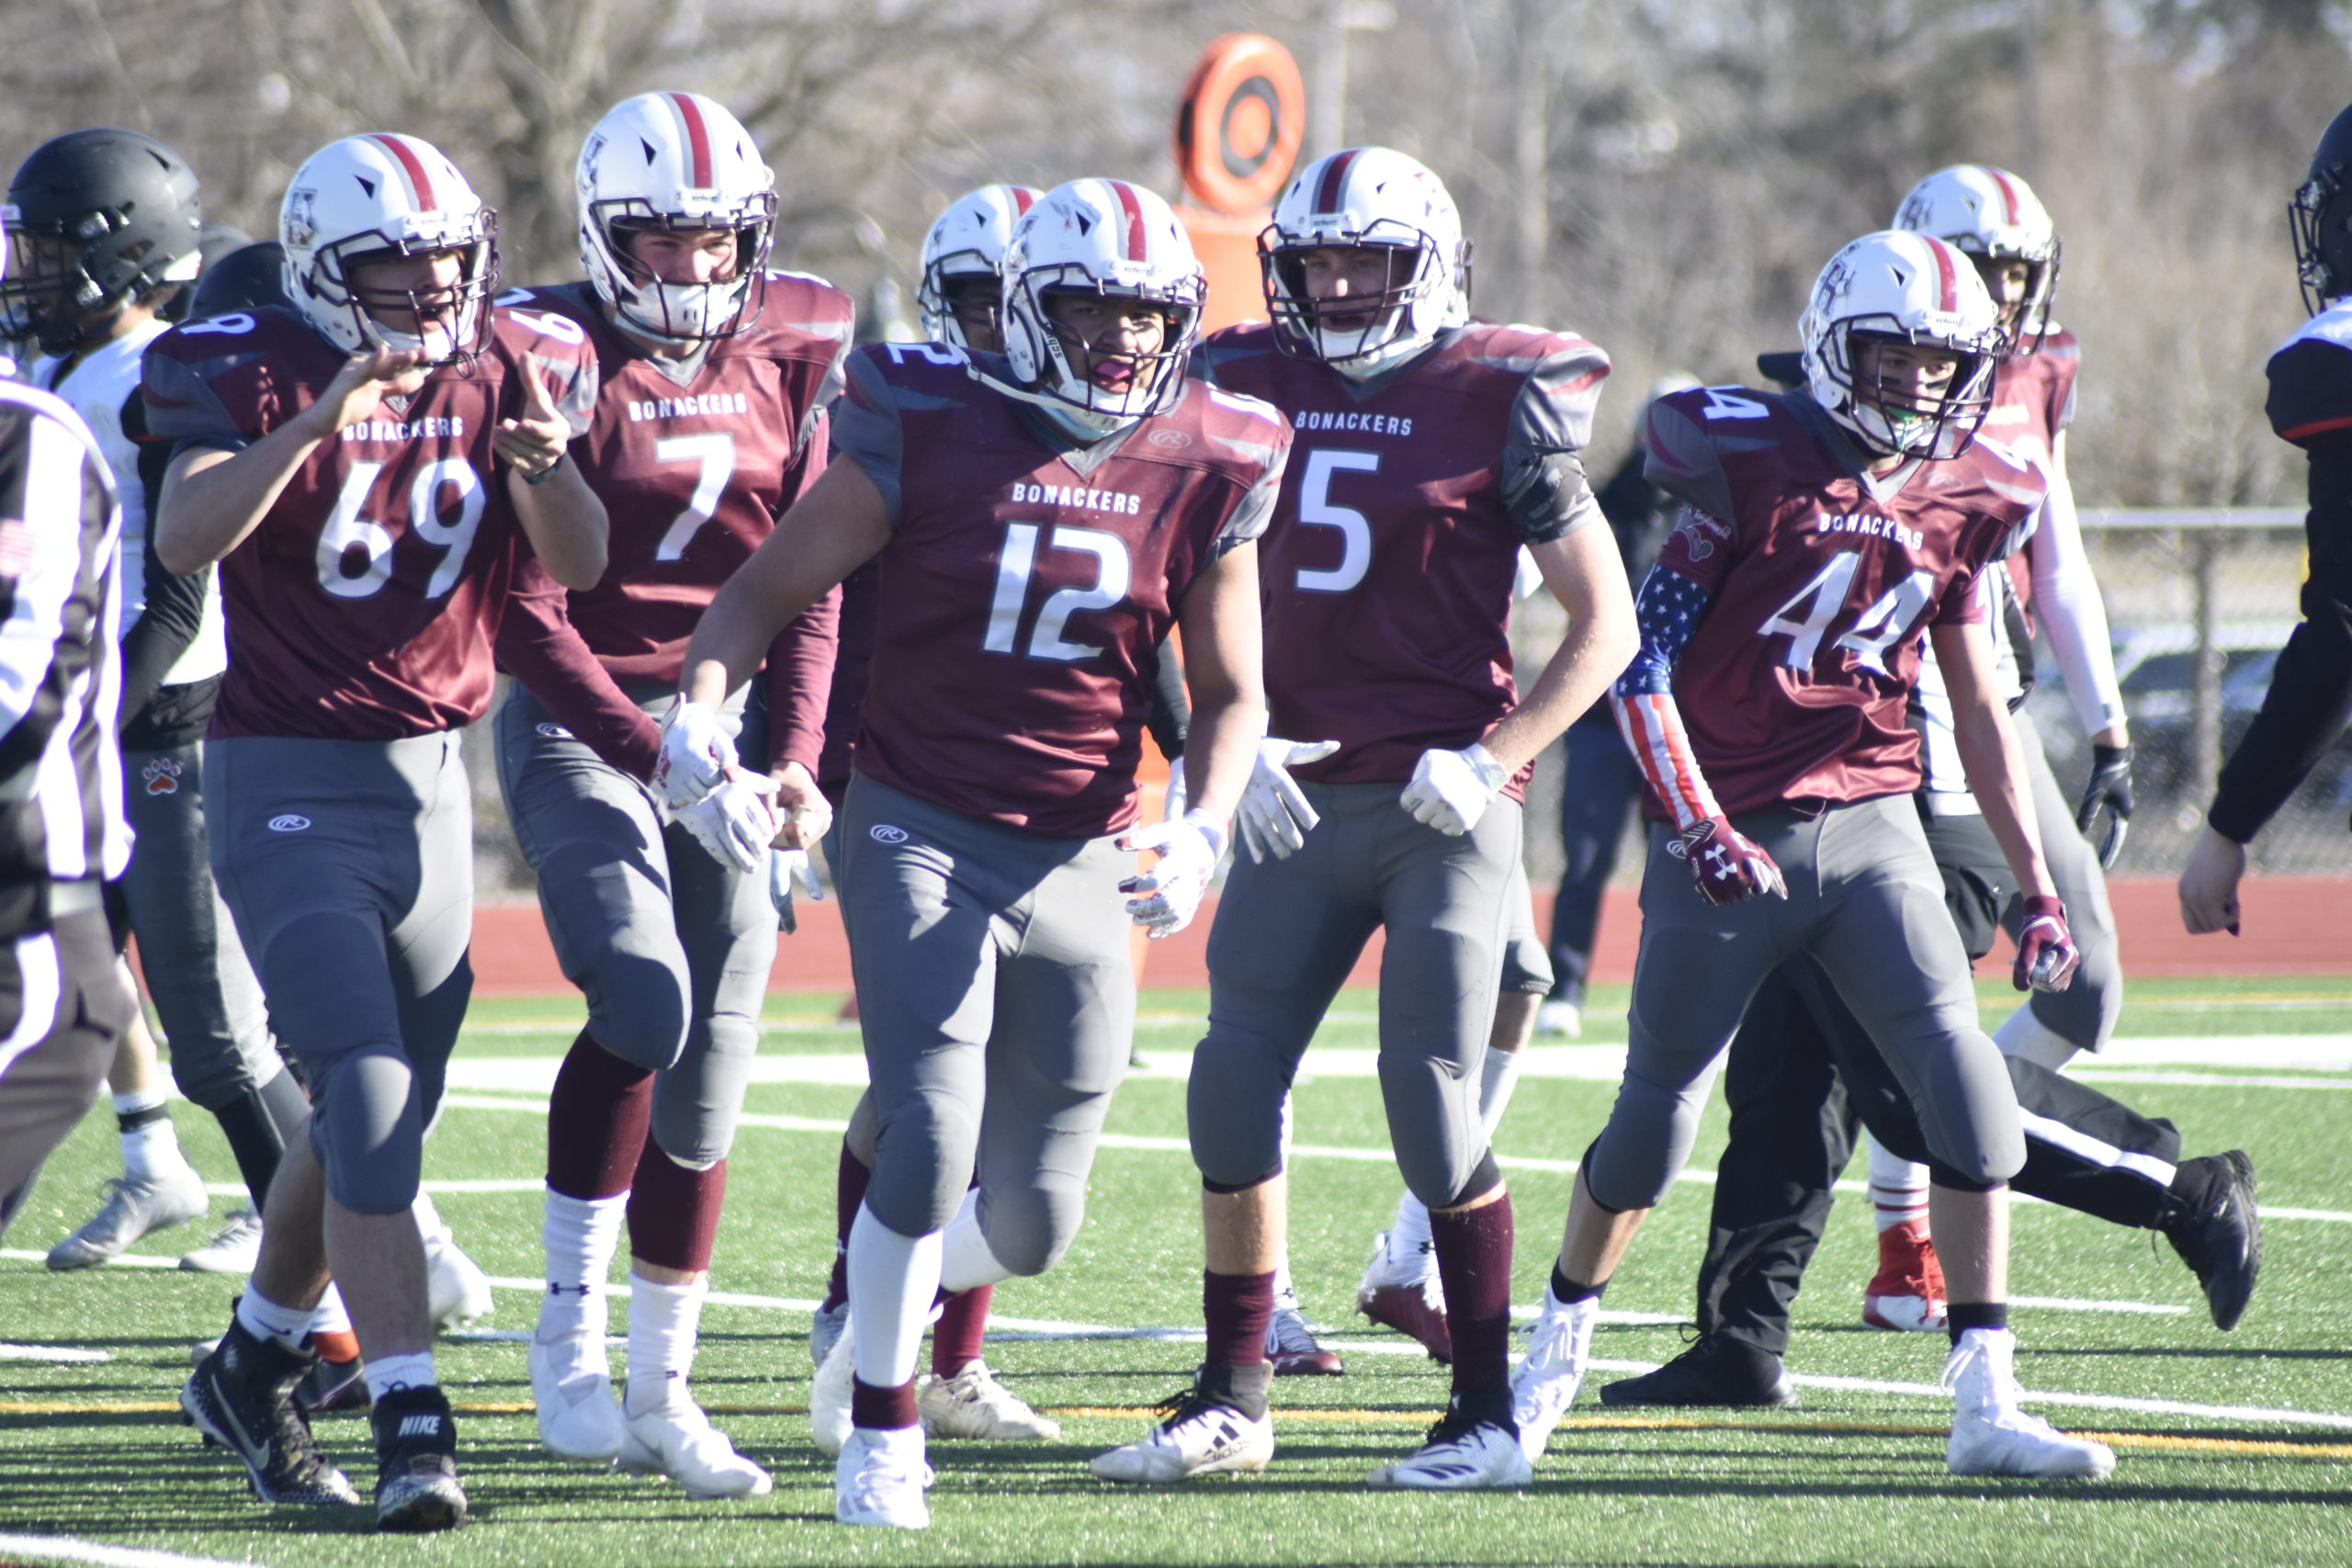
(965, 1258)
(328, 1316)
(2024, 1036)
(1497, 1078)
(428, 1218)
(1409, 1236)
(266, 1319)
(580, 1236)
(893, 1280)
(662, 1324)
(1898, 1188)
(152, 1149)
(1285, 1292)
(388, 1373)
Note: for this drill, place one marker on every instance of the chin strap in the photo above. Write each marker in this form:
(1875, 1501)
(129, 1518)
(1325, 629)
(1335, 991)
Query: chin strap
(1084, 423)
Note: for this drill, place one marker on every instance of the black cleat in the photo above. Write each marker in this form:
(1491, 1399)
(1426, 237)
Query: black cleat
(2218, 1231)
(416, 1462)
(241, 1398)
(332, 1385)
(1716, 1369)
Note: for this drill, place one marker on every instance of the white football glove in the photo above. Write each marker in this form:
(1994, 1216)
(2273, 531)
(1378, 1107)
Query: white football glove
(696, 753)
(1171, 804)
(735, 822)
(1451, 790)
(1169, 895)
(790, 872)
(1274, 817)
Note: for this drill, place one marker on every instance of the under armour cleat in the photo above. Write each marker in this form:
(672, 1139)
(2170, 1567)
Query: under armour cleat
(1405, 1294)
(676, 1439)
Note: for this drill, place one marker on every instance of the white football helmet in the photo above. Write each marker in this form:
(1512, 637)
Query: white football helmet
(1905, 287)
(675, 160)
(966, 241)
(377, 196)
(1101, 237)
(1367, 196)
(1991, 213)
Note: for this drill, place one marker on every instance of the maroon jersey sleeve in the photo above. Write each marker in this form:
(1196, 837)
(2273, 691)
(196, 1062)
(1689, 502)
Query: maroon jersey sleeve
(539, 646)
(846, 699)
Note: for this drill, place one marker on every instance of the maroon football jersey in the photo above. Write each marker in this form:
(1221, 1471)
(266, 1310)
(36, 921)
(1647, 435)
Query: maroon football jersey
(1794, 684)
(848, 698)
(1387, 577)
(1028, 580)
(2033, 402)
(363, 606)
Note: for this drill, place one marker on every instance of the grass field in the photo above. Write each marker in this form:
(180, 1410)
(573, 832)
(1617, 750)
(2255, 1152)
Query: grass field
(2235, 1449)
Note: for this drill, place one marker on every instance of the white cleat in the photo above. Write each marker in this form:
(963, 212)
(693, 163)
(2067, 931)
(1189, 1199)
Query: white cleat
(1198, 1438)
(571, 1384)
(456, 1291)
(132, 1209)
(1559, 1020)
(879, 1480)
(972, 1404)
(676, 1439)
(830, 1391)
(1991, 1435)
(824, 1329)
(234, 1251)
(1546, 1382)
(1461, 1456)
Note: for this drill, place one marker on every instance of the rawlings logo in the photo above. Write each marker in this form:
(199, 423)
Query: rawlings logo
(291, 822)
(1171, 438)
(555, 732)
(884, 833)
(161, 776)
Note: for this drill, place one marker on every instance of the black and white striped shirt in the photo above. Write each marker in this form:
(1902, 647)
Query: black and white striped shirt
(61, 584)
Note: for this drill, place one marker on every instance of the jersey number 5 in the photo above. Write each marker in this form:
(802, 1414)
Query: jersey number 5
(355, 554)
(1806, 618)
(1316, 510)
(1018, 561)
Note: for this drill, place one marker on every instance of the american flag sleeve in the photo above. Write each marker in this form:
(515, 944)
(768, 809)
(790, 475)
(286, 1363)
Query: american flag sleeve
(1668, 611)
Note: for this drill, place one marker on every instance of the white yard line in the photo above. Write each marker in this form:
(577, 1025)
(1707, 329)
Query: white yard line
(66, 1549)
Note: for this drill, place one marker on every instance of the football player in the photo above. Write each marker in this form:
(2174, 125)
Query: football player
(361, 466)
(1781, 631)
(2310, 686)
(713, 373)
(1041, 517)
(1428, 451)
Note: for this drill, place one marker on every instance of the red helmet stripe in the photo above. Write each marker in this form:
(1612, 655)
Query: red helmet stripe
(2009, 194)
(697, 137)
(1947, 283)
(1335, 180)
(1138, 248)
(419, 184)
(1023, 199)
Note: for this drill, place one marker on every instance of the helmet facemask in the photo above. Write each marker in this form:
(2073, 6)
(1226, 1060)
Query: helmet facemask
(455, 321)
(2026, 320)
(687, 312)
(1891, 417)
(1359, 332)
(1067, 365)
(49, 294)
(2321, 221)
(942, 295)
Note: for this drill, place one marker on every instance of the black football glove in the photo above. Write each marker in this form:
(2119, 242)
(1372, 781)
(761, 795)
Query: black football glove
(2110, 786)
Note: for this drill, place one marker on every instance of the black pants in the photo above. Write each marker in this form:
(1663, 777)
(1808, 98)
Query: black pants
(1601, 786)
(1804, 1074)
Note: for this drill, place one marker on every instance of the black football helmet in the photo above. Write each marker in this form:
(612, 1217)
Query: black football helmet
(2321, 217)
(245, 279)
(95, 219)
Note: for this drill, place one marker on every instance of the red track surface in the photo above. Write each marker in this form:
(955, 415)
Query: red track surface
(2293, 926)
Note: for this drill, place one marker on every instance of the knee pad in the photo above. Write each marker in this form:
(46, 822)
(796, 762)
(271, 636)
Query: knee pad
(698, 1104)
(366, 1130)
(1950, 1180)
(1483, 1179)
(1234, 1114)
(636, 1010)
(1029, 1230)
(922, 1165)
(1635, 1159)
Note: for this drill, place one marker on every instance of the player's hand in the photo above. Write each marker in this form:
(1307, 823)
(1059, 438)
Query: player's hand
(1171, 802)
(1274, 817)
(2110, 786)
(1167, 897)
(734, 822)
(1451, 790)
(803, 814)
(1727, 866)
(533, 442)
(790, 873)
(696, 753)
(359, 388)
(2046, 951)
(2209, 884)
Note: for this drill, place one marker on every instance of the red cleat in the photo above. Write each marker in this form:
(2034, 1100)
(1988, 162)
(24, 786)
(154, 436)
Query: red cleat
(1291, 1348)
(1907, 1294)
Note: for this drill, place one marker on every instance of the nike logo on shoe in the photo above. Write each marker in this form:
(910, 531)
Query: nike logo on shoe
(420, 1426)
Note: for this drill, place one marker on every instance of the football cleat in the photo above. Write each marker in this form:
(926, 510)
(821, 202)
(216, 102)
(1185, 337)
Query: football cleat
(879, 1480)
(1559, 1020)
(1461, 1454)
(1291, 1350)
(416, 1462)
(824, 1328)
(1405, 1294)
(1200, 1436)
(456, 1290)
(330, 1386)
(1907, 1294)
(132, 1209)
(1546, 1382)
(233, 1250)
(676, 1439)
(242, 1399)
(1716, 1369)
(1991, 1435)
(830, 1391)
(2219, 1234)
(572, 1387)
(973, 1403)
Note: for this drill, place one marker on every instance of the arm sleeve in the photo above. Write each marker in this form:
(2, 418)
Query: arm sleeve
(1543, 482)
(1668, 611)
(539, 646)
(174, 613)
(1171, 708)
(865, 429)
(2068, 598)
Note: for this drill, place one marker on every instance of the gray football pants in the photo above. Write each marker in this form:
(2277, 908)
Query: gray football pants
(349, 867)
(998, 1004)
(1865, 898)
(671, 949)
(2084, 1012)
(1527, 965)
(1287, 933)
(206, 992)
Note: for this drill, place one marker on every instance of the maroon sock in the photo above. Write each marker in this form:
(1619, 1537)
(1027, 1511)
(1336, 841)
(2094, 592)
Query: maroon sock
(955, 1337)
(881, 1409)
(1474, 1264)
(849, 1196)
(1240, 1306)
(597, 1121)
(673, 1212)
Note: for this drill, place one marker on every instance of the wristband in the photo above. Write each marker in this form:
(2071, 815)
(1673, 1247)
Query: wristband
(543, 475)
